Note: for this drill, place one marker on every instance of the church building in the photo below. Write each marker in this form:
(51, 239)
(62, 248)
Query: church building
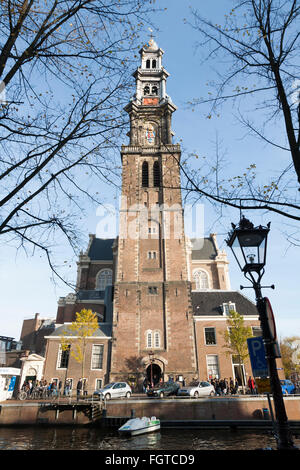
(162, 299)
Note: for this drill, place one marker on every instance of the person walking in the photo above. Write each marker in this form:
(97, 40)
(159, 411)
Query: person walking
(79, 388)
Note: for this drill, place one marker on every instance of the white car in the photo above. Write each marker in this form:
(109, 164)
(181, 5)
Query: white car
(113, 390)
(197, 389)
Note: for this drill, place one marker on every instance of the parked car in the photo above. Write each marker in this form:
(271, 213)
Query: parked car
(287, 386)
(113, 390)
(164, 390)
(197, 389)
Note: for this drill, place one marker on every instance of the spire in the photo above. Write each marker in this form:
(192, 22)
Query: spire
(151, 76)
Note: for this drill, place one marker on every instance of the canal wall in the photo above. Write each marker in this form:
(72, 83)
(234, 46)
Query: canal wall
(84, 413)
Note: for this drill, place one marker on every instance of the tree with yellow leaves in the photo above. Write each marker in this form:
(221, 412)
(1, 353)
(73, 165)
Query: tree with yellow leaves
(236, 339)
(77, 334)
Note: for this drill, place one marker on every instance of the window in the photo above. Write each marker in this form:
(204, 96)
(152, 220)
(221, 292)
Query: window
(152, 290)
(201, 280)
(97, 356)
(98, 384)
(210, 336)
(104, 279)
(228, 307)
(145, 175)
(147, 90)
(213, 371)
(154, 90)
(63, 357)
(156, 174)
(148, 64)
(151, 254)
(154, 64)
(156, 339)
(153, 339)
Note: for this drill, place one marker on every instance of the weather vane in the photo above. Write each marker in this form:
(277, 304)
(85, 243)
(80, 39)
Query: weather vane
(151, 33)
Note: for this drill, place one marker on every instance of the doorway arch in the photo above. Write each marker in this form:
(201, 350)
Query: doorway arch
(154, 371)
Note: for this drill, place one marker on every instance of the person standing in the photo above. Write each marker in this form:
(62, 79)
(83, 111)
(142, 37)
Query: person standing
(251, 385)
(78, 388)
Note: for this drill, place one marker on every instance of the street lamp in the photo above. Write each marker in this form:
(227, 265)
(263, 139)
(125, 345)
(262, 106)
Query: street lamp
(249, 247)
(151, 358)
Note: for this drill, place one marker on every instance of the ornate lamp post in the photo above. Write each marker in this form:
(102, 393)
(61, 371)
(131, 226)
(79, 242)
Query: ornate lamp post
(249, 247)
(151, 359)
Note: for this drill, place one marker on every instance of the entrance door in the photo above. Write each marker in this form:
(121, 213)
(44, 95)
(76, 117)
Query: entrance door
(154, 373)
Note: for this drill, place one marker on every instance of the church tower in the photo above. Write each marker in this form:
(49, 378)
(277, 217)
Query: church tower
(152, 332)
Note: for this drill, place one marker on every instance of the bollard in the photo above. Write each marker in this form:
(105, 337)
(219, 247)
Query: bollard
(266, 413)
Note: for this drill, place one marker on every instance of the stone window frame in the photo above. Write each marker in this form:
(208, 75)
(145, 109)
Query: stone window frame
(152, 335)
(226, 308)
(196, 272)
(98, 379)
(60, 354)
(215, 364)
(215, 334)
(101, 355)
(98, 276)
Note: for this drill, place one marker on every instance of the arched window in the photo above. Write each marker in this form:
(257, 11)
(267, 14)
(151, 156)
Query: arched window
(156, 339)
(104, 279)
(201, 280)
(156, 174)
(153, 339)
(147, 90)
(149, 339)
(145, 175)
(154, 90)
(148, 64)
(154, 64)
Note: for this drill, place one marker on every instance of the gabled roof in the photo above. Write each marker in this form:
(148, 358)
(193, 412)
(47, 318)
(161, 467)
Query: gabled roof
(101, 249)
(211, 303)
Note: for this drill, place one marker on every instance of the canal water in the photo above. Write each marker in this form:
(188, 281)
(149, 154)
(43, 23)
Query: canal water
(68, 438)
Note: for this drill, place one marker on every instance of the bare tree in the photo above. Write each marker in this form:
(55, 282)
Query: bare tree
(65, 77)
(257, 56)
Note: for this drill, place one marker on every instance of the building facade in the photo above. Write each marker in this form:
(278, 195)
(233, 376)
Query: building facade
(162, 299)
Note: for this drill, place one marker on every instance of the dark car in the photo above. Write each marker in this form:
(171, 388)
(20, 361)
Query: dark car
(164, 390)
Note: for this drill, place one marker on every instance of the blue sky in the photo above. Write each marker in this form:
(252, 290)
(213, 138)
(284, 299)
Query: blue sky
(26, 286)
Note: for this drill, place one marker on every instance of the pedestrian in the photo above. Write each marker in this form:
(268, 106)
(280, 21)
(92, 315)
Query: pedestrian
(231, 386)
(218, 388)
(251, 385)
(85, 387)
(78, 388)
(236, 386)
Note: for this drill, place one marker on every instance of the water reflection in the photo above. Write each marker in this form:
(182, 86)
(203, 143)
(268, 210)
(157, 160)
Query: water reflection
(66, 438)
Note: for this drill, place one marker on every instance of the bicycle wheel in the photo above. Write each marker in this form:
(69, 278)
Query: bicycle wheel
(22, 395)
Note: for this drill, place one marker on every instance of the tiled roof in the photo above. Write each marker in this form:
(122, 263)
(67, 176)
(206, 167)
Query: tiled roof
(103, 331)
(211, 302)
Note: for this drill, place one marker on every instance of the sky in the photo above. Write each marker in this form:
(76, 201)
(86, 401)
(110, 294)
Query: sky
(26, 281)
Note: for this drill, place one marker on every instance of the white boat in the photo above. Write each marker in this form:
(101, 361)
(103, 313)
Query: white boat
(136, 426)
